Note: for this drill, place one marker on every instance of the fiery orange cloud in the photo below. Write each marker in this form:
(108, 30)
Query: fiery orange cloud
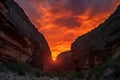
(60, 38)
(63, 21)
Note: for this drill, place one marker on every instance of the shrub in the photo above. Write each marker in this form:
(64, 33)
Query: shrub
(113, 64)
(22, 69)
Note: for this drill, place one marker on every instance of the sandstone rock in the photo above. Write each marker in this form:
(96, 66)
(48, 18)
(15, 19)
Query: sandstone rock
(19, 39)
(99, 44)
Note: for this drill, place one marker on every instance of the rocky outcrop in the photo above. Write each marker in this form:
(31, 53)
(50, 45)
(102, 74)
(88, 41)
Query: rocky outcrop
(63, 62)
(98, 45)
(19, 39)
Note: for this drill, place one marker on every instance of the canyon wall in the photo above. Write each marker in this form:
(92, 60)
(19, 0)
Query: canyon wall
(98, 45)
(20, 41)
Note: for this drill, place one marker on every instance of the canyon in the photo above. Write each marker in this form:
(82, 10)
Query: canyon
(20, 42)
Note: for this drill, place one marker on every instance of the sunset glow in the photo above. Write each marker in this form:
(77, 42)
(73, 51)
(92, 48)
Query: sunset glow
(61, 24)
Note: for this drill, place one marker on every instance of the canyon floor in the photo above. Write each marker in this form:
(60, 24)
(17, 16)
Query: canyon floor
(107, 71)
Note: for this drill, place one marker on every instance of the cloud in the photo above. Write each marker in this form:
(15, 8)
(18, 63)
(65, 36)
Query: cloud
(34, 9)
(61, 21)
(69, 22)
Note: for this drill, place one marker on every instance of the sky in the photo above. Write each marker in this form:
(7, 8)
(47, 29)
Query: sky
(62, 21)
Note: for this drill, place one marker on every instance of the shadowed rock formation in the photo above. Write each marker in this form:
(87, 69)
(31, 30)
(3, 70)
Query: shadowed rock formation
(19, 39)
(63, 62)
(98, 45)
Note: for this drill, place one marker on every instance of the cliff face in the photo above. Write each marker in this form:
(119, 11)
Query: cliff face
(98, 45)
(19, 39)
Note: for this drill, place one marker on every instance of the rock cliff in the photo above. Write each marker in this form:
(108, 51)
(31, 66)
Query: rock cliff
(98, 45)
(19, 39)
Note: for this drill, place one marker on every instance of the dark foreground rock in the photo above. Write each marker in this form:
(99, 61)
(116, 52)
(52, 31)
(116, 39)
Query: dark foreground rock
(19, 40)
(99, 45)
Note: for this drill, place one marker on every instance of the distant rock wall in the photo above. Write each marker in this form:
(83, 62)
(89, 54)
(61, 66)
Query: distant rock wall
(19, 39)
(63, 62)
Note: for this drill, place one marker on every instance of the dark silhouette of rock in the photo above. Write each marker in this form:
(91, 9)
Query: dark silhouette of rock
(19, 39)
(63, 62)
(98, 45)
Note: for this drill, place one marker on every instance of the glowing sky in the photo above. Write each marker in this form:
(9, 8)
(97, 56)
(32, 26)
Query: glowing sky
(62, 21)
